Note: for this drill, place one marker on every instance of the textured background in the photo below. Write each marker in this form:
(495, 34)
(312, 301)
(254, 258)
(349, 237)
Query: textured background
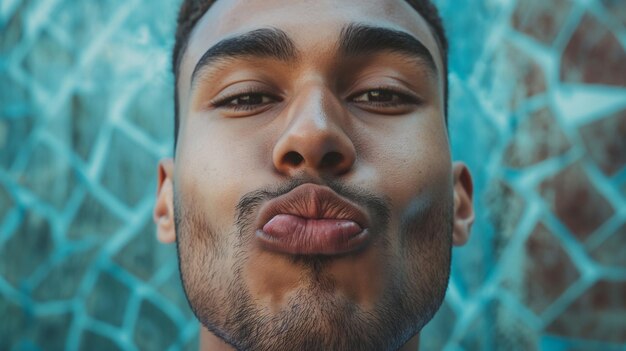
(538, 111)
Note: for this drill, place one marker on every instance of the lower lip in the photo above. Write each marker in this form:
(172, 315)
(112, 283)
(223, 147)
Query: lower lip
(303, 236)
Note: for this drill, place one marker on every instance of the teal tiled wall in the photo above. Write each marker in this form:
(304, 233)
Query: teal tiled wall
(537, 109)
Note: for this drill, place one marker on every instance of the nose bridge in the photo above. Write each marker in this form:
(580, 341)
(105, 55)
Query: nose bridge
(312, 111)
(315, 137)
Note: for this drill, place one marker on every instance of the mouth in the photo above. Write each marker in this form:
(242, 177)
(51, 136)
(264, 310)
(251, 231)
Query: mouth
(312, 220)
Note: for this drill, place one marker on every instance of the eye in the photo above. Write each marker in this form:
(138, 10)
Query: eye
(386, 101)
(245, 101)
(383, 96)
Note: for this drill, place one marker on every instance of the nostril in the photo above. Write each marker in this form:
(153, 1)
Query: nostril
(331, 159)
(293, 158)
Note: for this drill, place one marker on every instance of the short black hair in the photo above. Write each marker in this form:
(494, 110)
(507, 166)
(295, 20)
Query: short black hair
(192, 10)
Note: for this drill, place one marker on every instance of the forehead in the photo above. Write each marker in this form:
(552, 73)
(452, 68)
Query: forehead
(310, 24)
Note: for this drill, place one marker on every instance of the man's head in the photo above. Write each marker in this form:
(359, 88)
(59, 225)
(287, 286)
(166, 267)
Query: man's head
(192, 10)
(312, 197)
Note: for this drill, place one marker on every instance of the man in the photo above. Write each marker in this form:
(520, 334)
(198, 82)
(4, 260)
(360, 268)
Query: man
(312, 196)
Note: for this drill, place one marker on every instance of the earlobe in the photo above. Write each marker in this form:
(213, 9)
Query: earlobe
(163, 214)
(463, 206)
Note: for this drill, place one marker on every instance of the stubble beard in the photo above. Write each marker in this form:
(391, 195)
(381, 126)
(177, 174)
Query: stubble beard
(315, 317)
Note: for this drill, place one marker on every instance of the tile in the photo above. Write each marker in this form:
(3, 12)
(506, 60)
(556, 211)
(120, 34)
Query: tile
(143, 254)
(6, 202)
(504, 208)
(611, 251)
(497, 327)
(49, 176)
(63, 280)
(593, 39)
(13, 29)
(48, 62)
(537, 138)
(93, 220)
(50, 331)
(597, 314)
(542, 20)
(548, 270)
(95, 342)
(11, 328)
(616, 8)
(85, 21)
(172, 289)
(575, 201)
(26, 249)
(107, 299)
(130, 176)
(87, 111)
(15, 132)
(438, 329)
(605, 140)
(155, 119)
(467, 23)
(154, 329)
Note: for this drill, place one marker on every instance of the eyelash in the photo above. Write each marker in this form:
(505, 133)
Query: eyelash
(405, 98)
(223, 102)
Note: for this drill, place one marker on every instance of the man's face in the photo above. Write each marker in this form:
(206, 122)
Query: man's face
(313, 193)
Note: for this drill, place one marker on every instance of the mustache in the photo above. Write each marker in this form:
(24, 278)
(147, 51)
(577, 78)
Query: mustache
(378, 206)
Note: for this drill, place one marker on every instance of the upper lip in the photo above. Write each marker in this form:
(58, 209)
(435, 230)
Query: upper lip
(313, 201)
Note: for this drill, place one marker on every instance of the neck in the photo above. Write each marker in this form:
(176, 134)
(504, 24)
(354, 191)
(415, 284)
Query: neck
(210, 342)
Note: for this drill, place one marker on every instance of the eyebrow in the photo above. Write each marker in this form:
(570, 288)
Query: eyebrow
(265, 42)
(360, 40)
(355, 40)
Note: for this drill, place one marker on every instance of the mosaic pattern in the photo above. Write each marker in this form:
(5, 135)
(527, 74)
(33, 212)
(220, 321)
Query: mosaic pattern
(538, 111)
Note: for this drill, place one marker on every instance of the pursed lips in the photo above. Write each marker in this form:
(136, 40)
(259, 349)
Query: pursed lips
(312, 220)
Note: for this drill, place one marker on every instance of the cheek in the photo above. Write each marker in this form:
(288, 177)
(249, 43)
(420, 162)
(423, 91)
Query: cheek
(215, 168)
(411, 159)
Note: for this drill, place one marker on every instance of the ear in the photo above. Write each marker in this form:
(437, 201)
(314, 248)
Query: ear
(463, 206)
(163, 213)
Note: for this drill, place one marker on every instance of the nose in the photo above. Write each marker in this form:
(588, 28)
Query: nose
(314, 139)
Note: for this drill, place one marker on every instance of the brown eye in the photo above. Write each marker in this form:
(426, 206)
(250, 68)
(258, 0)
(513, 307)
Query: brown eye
(384, 97)
(378, 96)
(248, 100)
(245, 102)
(385, 101)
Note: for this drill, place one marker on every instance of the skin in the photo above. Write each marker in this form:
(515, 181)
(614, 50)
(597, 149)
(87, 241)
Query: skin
(314, 106)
